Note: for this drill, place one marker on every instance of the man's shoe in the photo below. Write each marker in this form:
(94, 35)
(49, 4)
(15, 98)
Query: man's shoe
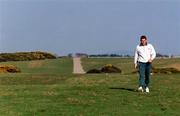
(147, 89)
(140, 89)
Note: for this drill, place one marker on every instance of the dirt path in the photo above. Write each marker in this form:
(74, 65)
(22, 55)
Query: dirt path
(77, 67)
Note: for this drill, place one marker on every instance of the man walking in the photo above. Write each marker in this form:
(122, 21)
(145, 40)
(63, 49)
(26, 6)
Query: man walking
(144, 55)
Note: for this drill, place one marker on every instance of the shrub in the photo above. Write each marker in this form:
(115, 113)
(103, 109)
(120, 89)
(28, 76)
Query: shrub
(109, 68)
(9, 69)
(25, 56)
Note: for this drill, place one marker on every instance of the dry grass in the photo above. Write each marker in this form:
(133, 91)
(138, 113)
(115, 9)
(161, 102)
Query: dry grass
(80, 101)
(165, 70)
(108, 68)
(35, 64)
(8, 69)
(169, 69)
(176, 66)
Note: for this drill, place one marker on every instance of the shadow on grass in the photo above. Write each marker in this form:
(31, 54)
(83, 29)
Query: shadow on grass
(122, 88)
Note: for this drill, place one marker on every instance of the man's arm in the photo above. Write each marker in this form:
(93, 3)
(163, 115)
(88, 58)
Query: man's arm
(135, 58)
(153, 53)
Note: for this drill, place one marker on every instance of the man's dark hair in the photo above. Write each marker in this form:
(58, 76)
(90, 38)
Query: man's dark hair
(143, 37)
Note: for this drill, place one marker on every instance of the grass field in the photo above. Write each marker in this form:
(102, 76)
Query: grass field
(48, 88)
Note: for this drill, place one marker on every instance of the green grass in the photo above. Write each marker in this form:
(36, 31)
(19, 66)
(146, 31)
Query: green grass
(52, 90)
(125, 64)
(49, 66)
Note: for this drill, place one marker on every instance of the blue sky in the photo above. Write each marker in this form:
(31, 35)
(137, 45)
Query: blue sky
(88, 26)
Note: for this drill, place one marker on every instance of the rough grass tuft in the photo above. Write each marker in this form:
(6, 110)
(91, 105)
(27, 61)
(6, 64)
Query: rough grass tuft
(9, 69)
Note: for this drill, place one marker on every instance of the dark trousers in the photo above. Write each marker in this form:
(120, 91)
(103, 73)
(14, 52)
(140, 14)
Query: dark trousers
(144, 74)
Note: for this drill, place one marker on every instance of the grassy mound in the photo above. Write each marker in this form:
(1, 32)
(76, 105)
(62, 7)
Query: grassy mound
(25, 56)
(9, 69)
(175, 65)
(108, 68)
(165, 70)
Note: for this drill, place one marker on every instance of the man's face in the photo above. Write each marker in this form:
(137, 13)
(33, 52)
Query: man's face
(143, 41)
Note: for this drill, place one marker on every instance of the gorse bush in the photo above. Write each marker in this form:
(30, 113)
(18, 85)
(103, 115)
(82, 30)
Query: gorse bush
(9, 69)
(108, 68)
(25, 56)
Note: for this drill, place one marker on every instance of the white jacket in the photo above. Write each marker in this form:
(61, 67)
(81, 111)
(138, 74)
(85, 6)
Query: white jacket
(144, 53)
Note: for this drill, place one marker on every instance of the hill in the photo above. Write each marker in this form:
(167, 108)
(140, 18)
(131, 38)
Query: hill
(25, 56)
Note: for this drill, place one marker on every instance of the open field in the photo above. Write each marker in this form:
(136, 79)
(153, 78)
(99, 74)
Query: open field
(48, 88)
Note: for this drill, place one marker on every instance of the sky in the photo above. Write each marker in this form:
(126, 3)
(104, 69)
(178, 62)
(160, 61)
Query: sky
(89, 26)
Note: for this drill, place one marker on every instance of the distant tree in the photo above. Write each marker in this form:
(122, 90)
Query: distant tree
(81, 55)
(161, 55)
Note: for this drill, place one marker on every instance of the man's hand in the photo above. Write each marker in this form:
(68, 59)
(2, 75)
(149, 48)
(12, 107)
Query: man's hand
(135, 66)
(149, 60)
